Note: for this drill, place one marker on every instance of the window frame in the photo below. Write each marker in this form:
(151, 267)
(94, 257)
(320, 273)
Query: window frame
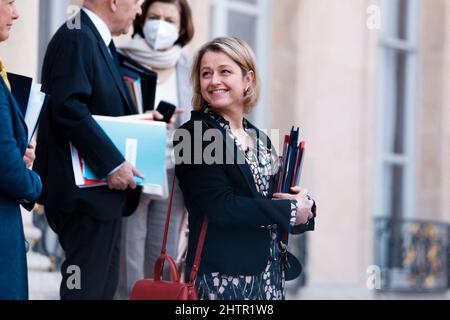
(387, 159)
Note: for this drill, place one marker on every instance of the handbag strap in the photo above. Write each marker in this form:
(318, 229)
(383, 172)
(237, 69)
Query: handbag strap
(198, 252)
(201, 240)
(166, 227)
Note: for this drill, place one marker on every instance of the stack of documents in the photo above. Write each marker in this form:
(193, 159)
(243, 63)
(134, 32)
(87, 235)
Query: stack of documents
(141, 141)
(134, 85)
(291, 162)
(140, 82)
(30, 99)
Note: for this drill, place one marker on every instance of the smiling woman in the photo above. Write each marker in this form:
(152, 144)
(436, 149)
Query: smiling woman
(223, 83)
(244, 257)
(18, 184)
(229, 63)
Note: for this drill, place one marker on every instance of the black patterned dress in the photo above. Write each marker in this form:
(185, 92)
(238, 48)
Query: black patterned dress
(270, 284)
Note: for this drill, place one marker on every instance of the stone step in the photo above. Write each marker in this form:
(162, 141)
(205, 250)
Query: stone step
(43, 285)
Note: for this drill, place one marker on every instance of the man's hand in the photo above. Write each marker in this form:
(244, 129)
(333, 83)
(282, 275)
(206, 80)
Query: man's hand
(29, 156)
(124, 177)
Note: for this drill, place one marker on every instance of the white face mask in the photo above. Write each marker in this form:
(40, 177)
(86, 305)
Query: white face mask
(159, 34)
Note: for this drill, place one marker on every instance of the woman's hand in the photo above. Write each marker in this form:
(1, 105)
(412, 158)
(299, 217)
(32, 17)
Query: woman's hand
(158, 116)
(304, 203)
(155, 114)
(171, 124)
(29, 156)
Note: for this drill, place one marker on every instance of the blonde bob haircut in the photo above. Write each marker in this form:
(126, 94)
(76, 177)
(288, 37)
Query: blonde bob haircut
(238, 51)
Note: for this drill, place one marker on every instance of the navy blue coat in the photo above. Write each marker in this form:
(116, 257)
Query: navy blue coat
(17, 185)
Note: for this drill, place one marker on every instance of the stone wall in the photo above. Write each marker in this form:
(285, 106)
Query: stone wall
(324, 60)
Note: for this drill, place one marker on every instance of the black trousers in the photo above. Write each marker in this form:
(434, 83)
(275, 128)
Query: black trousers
(91, 267)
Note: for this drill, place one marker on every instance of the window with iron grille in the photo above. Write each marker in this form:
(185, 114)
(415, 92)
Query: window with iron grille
(397, 110)
(410, 252)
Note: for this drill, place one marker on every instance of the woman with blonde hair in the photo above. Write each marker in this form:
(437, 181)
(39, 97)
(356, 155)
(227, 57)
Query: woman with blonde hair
(18, 184)
(243, 255)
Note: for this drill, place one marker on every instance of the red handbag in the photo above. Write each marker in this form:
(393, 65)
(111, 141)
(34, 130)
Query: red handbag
(158, 289)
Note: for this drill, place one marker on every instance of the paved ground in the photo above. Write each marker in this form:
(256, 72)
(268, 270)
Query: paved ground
(352, 292)
(45, 286)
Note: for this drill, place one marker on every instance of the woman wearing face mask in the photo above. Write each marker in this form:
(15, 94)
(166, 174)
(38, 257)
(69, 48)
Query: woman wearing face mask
(164, 27)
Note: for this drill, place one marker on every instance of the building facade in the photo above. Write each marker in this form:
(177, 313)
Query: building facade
(367, 82)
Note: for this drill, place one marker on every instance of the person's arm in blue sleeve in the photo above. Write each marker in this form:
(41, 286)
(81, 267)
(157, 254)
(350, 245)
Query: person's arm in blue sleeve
(16, 180)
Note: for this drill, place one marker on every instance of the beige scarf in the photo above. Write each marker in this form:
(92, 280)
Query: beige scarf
(138, 50)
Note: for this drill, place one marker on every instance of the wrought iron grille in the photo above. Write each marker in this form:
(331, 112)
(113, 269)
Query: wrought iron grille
(412, 255)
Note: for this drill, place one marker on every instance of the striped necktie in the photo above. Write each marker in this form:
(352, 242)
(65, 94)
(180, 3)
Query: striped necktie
(4, 75)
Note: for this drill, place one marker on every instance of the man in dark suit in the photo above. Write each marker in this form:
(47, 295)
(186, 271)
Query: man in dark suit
(82, 77)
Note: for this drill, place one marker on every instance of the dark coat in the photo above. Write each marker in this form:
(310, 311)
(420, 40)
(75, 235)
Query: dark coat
(235, 242)
(17, 185)
(82, 80)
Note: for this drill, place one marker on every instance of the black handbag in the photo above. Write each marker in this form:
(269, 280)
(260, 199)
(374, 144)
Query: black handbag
(291, 265)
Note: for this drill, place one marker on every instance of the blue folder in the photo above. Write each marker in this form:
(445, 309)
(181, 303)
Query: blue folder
(142, 143)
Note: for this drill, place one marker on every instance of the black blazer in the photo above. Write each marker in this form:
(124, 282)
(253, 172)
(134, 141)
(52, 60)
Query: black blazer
(235, 242)
(81, 78)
